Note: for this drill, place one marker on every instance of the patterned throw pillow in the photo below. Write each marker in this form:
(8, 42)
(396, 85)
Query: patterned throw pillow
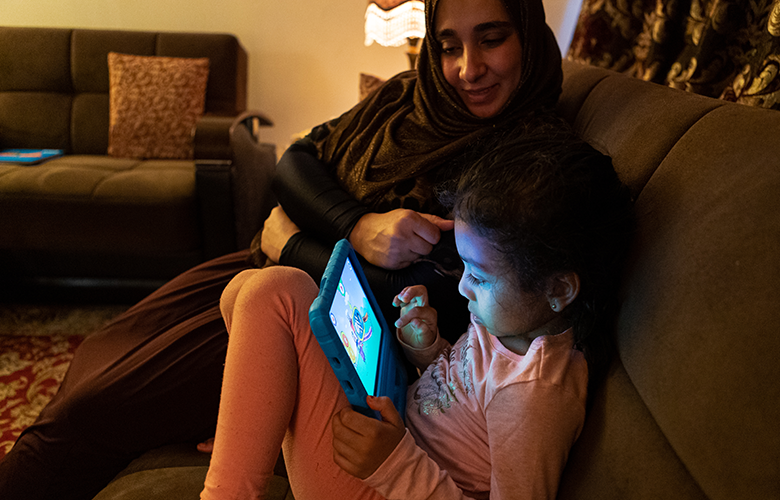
(154, 104)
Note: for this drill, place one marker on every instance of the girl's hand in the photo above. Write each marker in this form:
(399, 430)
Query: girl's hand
(396, 239)
(360, 443)
(418, 324)
(277, 229)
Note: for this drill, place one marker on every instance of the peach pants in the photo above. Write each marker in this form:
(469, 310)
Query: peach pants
(278, 391)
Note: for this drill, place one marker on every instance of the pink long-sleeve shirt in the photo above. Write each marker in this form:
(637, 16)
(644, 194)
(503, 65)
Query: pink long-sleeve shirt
(484, 422)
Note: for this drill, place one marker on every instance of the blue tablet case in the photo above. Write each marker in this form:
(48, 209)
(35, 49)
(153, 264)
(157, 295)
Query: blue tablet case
(349, 325)
(28, 156)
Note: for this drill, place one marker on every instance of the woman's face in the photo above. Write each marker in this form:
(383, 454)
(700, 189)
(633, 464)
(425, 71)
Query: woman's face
(481, 56)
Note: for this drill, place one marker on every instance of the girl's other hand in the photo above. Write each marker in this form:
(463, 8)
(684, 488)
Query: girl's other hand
(360, 443)
(418, 322)
(277, 229)
(396, 239)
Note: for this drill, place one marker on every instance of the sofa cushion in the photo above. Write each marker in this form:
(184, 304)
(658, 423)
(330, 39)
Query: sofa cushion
(90, 111)
(698, 329)
(155, 103)
(35, 88)
(35, 60)
(75, 211)
(175, 483)
(176, 471)
(692, 400)
(621, 453)
(90, 49)
(226, 93)
(35, 120)
(634, 123)
(172, 483)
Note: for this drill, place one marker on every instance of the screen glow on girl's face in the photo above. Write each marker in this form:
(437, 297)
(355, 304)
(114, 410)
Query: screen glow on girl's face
(495, 301)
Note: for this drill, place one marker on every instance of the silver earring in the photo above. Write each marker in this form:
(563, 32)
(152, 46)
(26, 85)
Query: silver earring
(554, 306)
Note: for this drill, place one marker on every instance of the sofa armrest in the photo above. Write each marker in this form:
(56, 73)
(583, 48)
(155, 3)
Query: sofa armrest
(232, 172)
(254, 163)
(252, 120)
(211, 137)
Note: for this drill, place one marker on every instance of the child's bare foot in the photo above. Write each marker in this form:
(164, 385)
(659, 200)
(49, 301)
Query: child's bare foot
(206, 446)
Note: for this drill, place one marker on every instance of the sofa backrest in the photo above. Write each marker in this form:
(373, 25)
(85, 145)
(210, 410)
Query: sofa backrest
(54, 82)
(691, 406)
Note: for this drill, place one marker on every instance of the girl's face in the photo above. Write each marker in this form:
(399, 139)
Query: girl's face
(481, 56)
(514, 316)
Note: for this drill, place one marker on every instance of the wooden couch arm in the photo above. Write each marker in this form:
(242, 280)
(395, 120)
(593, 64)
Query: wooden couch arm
(211, 136)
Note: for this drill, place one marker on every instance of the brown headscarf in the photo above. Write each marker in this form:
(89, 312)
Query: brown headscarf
(416, 123)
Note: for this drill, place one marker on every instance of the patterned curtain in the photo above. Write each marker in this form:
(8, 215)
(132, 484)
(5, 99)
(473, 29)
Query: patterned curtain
(727, 49)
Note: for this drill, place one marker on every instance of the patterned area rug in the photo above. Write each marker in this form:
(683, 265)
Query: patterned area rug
(58, 319)
(37, 344)
(31, 370)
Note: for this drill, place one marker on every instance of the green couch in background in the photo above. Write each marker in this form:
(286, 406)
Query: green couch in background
(90, 220)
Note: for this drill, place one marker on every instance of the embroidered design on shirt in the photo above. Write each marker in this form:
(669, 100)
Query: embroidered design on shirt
(437, 392)
(466, 372)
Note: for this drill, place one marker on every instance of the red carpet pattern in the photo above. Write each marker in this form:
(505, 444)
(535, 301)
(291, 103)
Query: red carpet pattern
(31, 370)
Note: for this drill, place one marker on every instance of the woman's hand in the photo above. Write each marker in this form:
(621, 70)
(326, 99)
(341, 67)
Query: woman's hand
(360, 443)
(277, 230)
(396, 239)
(418, 324)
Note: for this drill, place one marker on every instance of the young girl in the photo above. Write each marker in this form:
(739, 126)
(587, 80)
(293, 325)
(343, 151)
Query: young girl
(541, 223)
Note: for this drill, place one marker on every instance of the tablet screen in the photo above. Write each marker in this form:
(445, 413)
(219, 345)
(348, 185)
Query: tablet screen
(357, 327)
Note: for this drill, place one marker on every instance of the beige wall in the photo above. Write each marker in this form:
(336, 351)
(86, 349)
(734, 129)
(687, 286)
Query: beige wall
(304, 55)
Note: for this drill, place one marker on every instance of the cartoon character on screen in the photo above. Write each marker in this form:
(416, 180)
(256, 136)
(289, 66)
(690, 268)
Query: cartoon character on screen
(359, 332)
(349, 341)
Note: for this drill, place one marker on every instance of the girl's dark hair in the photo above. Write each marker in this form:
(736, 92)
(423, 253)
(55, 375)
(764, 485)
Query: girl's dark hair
(552, 204)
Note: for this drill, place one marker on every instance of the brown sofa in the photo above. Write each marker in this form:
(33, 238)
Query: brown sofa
(691, 405)
(89, 219)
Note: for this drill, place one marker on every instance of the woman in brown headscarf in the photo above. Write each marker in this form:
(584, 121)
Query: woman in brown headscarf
(370, 175)
(152, 377)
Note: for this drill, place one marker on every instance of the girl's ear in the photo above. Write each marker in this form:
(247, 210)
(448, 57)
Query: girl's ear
(562, 291)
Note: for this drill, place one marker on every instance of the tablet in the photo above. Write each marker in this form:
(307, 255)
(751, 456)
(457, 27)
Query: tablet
(354, 335)
(28, 156)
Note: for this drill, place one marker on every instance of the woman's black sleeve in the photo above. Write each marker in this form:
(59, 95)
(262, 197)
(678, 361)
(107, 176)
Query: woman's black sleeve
(325, 213)
(312, 197)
